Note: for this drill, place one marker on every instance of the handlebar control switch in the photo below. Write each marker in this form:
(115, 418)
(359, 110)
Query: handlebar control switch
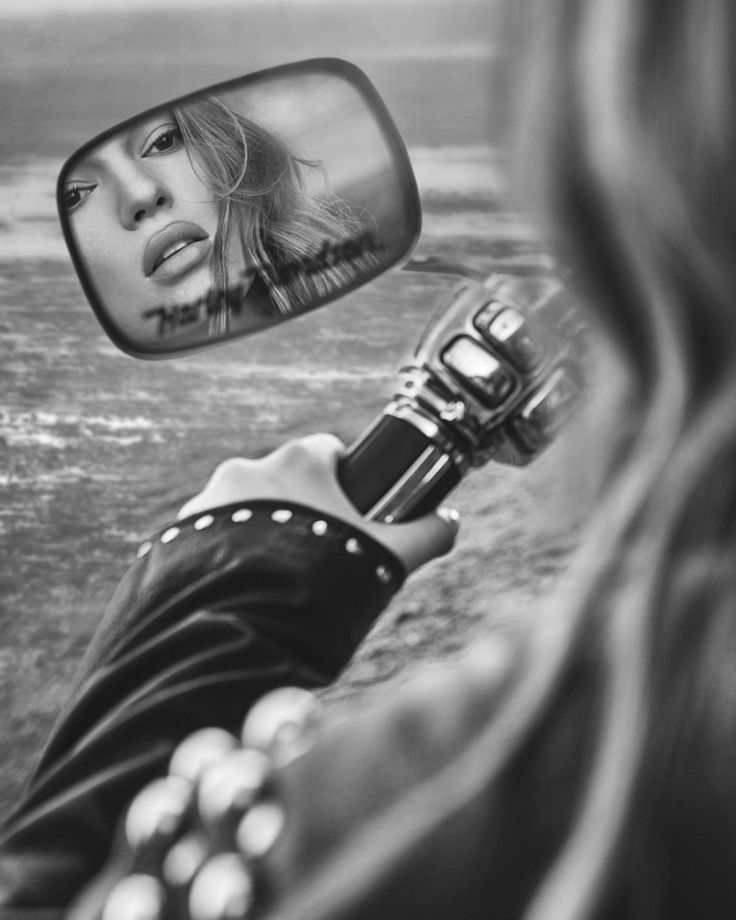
(495, 376)
(476, 368)
(508, 331)
(543, 415)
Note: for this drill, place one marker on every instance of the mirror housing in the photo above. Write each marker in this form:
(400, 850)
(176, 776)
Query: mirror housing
(238, 207)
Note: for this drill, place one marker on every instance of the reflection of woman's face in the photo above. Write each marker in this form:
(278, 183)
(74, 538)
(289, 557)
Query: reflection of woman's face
(144, 221)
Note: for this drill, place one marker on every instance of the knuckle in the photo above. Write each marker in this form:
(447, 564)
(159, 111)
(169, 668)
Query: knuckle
(229, 470)
(325, 441)
(310, 453)
(294, 453)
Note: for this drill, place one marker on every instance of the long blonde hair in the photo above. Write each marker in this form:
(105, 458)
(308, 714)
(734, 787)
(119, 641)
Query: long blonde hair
(260, 184)
(630, 121)
(631, 112)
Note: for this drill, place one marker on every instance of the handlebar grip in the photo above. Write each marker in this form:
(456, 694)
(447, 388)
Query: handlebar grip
(395, 472)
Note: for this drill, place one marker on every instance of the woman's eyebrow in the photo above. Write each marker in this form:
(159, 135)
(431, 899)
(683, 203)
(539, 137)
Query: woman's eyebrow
(92, 161)
(99, 155)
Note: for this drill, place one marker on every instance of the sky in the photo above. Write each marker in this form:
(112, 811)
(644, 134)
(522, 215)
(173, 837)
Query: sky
(42, 7)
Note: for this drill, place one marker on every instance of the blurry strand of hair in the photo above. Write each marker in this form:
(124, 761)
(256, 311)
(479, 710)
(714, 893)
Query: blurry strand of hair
(296, 236)
(219, 323)
(706, 444)
(577, 880)
(653, 142)
(216, 134)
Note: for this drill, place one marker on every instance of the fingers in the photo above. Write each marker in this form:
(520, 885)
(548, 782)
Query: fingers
(225, 474)
(451, 517)
(296, 471)
(415, 542)
(304, 471)
(418, 542)
(325, 446)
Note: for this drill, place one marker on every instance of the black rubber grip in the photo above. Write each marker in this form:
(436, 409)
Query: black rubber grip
(380, 457)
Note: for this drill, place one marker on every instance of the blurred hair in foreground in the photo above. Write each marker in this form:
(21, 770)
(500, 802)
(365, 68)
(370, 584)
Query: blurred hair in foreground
(628, 137)
(629, 130)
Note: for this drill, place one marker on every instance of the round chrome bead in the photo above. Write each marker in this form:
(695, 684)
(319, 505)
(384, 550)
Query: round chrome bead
(135, 897)
(199, 750)
(157, 812)
(282, 724)
(184, 860)
(221, 890)
(260, 829)
(231, 785)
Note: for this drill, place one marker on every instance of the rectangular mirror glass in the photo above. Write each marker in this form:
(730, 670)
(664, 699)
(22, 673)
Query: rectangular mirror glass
(235, 208)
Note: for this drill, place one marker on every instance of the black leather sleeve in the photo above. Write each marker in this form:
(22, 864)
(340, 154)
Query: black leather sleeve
(219, 609)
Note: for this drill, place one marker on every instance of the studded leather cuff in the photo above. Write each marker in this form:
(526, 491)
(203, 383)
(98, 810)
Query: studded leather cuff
(298, 575)
(235, 590)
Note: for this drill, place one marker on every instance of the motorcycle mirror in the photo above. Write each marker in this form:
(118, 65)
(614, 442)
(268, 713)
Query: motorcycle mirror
(232, 209)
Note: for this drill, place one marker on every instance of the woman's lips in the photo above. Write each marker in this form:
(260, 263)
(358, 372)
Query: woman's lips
(175, 250)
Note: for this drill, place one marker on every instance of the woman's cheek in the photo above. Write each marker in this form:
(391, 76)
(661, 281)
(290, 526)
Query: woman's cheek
(111, 256)
(186, 186)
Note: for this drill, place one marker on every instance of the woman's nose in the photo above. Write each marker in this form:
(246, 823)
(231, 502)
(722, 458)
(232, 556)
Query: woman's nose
(142, 195)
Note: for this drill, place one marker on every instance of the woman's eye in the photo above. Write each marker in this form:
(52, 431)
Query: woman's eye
(163, 140)
(75, 193)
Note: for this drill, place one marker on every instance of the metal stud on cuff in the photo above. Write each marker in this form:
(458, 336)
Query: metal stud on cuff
(383, 573)
(280, 516)
(144, 549)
